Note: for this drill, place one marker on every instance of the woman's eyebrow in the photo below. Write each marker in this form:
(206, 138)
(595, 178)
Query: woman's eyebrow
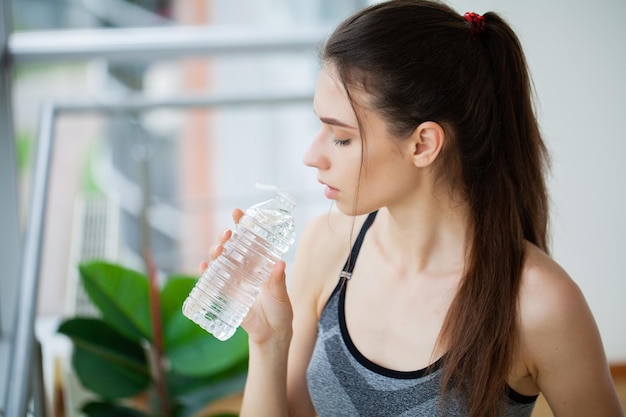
(335, 122)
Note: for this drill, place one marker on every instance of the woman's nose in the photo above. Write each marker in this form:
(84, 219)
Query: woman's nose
(314, 157)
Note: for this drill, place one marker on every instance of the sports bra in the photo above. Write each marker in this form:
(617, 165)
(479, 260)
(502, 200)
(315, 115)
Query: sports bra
(343, 382)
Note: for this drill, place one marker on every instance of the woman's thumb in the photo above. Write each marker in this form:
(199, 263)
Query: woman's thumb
(276, 284)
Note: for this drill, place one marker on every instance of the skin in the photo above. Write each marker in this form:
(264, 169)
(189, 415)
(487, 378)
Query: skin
(414, 254)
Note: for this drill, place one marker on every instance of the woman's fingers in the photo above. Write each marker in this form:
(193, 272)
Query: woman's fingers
(217, 249)
(236, 214)
(271, 315)
(203, 266)
(214, 252)
(225, 235)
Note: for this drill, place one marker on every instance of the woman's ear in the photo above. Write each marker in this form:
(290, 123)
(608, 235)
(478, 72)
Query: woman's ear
(427, 140)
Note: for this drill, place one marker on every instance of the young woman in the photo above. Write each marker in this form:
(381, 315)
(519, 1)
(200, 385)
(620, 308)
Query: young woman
(430, 291)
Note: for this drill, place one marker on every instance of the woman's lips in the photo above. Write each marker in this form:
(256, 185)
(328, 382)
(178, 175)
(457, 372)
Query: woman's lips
(330, 192)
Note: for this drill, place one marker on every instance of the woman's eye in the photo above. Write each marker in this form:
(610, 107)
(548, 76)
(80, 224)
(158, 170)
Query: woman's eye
(341, 142)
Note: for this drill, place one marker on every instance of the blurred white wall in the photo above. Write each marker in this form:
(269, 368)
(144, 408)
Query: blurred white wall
(577, 56)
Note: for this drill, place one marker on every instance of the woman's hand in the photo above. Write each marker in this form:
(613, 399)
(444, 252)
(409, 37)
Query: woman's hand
(271, 315)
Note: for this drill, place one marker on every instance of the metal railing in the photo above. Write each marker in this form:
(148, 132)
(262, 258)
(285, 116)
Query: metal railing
(146, 44)
(10, 239)
(115, 45)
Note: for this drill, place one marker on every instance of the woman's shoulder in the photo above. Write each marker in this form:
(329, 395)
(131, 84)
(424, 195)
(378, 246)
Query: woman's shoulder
(557, 328)
(322, 249)
(560, 345)
(330, 231)
(547, 291)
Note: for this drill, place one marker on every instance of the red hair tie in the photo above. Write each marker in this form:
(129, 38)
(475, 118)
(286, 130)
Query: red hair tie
(477, 23)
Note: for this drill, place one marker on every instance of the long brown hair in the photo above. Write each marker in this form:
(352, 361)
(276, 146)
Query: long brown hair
(420, 61)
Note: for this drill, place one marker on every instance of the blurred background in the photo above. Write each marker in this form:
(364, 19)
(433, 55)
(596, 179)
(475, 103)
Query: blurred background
(163, 114)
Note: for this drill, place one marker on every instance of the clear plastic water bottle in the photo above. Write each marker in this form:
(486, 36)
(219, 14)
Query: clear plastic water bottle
(226, 290)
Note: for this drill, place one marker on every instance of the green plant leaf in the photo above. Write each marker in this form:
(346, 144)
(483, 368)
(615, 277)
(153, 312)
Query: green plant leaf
(178, 329)
(182, 386)
(106, 409)
(194, 394)
(191, 350)
(174, 293)
(105, 361)
(121, 295)
(207, 355)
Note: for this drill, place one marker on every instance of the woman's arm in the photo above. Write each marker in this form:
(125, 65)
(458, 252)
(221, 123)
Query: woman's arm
(269, 331)
(282, 334)
(269, 324)
(568, 362)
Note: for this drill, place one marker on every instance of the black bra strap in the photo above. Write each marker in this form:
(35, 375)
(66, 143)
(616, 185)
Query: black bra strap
(354, 253)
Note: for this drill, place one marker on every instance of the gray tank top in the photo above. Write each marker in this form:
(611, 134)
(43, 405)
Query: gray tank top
(343, 382)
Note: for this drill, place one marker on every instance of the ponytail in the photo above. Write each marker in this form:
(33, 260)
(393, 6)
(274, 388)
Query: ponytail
(525, 152)
(508, 198)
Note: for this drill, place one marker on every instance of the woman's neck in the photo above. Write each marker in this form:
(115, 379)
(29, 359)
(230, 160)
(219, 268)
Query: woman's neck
(426, 234)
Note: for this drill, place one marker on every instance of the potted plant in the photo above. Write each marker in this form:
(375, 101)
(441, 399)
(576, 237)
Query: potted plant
(143, 347)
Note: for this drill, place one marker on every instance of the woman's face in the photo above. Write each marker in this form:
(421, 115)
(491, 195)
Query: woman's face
(342, 156)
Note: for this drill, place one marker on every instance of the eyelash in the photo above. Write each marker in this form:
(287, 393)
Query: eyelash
(344, 142)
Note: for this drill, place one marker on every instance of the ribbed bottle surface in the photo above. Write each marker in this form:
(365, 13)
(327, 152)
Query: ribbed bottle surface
(226, 290)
